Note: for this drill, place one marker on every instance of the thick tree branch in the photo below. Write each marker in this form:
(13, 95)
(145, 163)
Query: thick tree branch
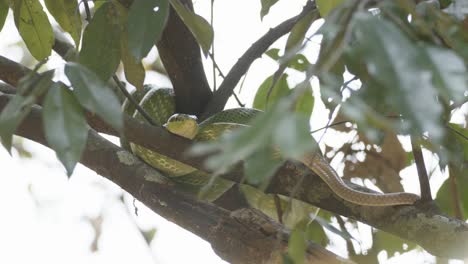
(226, 88)
(419, 223)
(180, 54)
(244, 236)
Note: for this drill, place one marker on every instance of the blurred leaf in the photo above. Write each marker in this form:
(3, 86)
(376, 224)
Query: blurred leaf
(449, 73)
(133, 68)
(67, 15)
(326, 6)
(297, 246)
(390, 243)
(297, 35)
(199, 27)
(314, 232)
(261, 166)
(100, 51)
(305, 102)
(444, 197)
(34, 27)
(399, 71)
(266, 5)
(265, 98)
(146, 21)
(65, 126)
(3, 12)
(94, 94)
(299, 62)
(292, 136)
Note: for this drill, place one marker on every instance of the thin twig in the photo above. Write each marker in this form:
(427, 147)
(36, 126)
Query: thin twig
(87, 10)
(421, 168)
(133, 101)
(212, 54)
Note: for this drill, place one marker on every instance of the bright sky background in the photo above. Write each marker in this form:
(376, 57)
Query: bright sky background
(45, 215)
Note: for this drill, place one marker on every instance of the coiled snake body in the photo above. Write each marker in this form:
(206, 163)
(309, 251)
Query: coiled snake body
(160, 104)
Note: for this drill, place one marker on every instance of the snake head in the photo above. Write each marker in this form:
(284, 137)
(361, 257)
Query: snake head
(182, 125)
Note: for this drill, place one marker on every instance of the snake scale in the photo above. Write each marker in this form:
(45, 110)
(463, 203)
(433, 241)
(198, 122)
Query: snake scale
(160, 104)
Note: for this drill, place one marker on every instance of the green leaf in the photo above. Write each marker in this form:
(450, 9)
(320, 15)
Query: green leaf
(65, 126)
(397, 72)
(292, 136)
(297, 246)
(146, 22)
(261, 165)
(326, 6)
(67, 15)
(101, 42)
(298, 32)
(10, 118)
(94, 94)
(34, 27)
(3, 12)
(390, 243)
(266, 97)
(449, 73)
(266, 5)
(133, 68)
(30, 88)
(200, 28)
(325, 224)
(273, 53)
(305, 102)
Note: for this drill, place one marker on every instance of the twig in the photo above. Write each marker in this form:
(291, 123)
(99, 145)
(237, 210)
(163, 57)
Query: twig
(225, 90)
(87, 10)
(212, 53)
(421, 168)
(133, 101)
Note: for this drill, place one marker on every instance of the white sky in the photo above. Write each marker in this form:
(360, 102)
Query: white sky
(43, 215)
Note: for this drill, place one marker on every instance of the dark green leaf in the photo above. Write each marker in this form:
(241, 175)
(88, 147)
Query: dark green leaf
(133, 68)
(94, 94)
(30, 87)
(12, 115)
(65, 126)
(146, 21)
(325, 224)
(67, 15)
(266, 5)
(34, 27)
(266, 97)
(200, 28)
(101, 42)
(3, 12)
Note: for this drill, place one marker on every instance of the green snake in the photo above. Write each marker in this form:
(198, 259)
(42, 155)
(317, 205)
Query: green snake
(160, 104)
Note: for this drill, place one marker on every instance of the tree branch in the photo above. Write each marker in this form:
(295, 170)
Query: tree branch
(180, 54)
(407, 222)
(244, 236)
(421, 168)
(225, 90)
